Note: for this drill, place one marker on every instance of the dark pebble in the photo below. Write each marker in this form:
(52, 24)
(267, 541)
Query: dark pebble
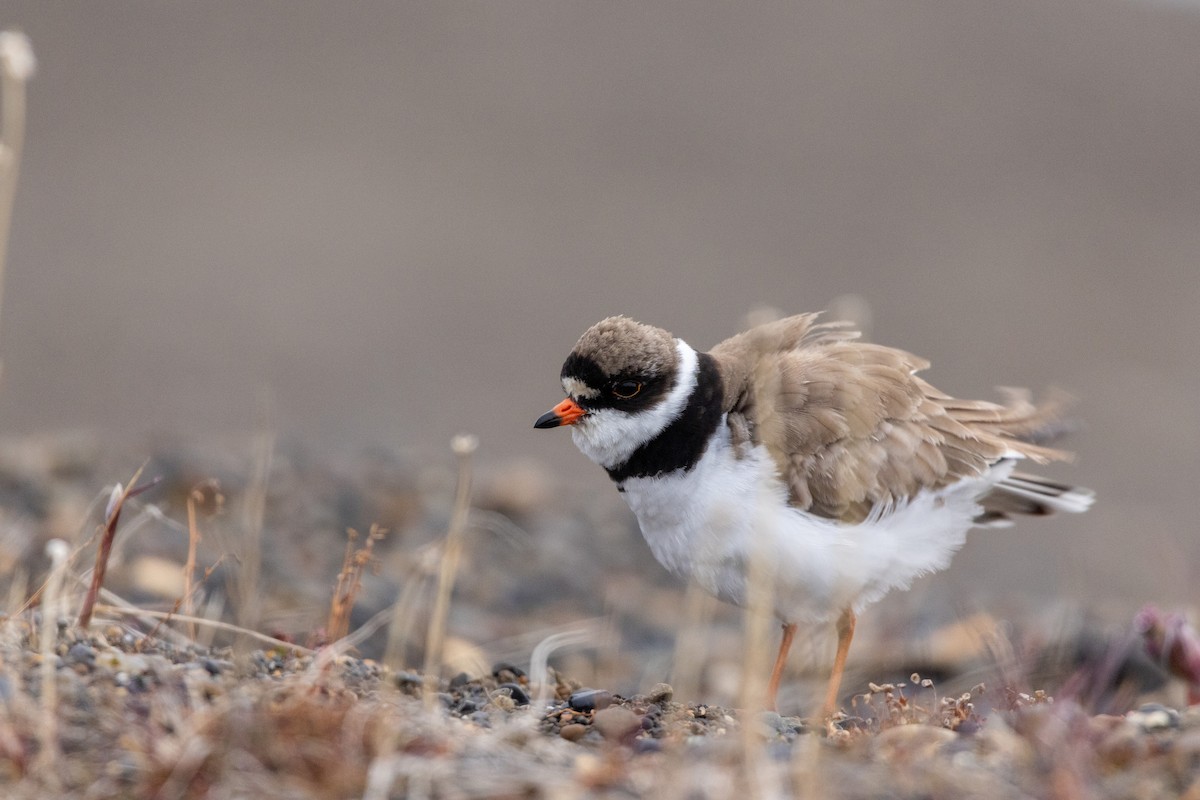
(852, 724)
(499, 669)
(516, 693)
(408, 679)
(1154, 716)
(212, 666)
(460, 680)
(647, 746)
(589, 700)
(81, 653)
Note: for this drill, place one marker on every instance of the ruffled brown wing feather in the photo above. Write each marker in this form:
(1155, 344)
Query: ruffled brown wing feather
(852, 427)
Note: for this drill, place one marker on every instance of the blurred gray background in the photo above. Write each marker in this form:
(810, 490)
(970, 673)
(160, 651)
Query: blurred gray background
(388, 222)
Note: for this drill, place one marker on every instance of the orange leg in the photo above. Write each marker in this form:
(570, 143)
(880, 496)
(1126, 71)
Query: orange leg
(845, 632)
(785, 644)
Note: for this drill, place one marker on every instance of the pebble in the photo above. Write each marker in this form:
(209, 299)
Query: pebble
(616, 723)
(645, 745)
(1154, 717)
(590, 700)
(499, 670)
(403, 678)
(573, 732)
(517, 694)
(661, 693)
(81, 653)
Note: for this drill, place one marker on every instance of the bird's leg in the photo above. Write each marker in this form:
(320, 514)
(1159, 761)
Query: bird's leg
(785, 644)
(845, 632)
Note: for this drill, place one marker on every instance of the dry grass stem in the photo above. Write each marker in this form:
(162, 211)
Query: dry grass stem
(215, 624)
(404, 614)
(539, 660)
(59, 553)
(463, 446)
(199, 494)
(16, 68)
(112, 515)
(254, 513)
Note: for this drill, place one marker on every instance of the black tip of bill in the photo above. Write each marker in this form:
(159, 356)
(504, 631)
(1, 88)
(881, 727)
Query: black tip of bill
(548, 420)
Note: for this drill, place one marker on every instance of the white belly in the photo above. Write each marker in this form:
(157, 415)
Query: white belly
(704, 525)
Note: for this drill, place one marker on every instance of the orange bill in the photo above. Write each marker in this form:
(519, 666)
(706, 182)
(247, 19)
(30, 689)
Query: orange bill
(567, 412)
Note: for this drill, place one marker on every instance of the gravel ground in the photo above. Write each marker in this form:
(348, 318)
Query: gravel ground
(134, 707)
(137, 717)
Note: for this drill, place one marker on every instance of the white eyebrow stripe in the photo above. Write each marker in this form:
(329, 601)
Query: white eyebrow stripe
(577, 388)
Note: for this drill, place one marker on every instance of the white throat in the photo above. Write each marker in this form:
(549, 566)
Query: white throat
(609, 436)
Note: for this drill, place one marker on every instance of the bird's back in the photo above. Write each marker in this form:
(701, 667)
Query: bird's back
(853, 430)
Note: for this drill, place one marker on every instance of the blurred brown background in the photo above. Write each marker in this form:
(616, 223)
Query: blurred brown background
(392, 221)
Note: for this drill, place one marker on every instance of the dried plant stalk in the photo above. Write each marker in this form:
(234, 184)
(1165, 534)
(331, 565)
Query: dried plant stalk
(111, 515)
(16, 68)
(59, 553)
(349, 580)
(463, 446)
(189, 568)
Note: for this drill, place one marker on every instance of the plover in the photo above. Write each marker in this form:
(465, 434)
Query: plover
(851, 473)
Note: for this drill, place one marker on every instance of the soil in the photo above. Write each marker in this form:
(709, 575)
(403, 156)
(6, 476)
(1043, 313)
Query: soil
(137, 706)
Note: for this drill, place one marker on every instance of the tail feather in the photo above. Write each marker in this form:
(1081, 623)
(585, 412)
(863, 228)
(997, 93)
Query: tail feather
(1032, 495)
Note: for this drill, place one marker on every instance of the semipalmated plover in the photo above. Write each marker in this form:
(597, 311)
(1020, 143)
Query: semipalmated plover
(853, 474)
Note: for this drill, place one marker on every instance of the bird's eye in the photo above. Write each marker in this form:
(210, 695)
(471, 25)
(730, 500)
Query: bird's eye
(626, 389)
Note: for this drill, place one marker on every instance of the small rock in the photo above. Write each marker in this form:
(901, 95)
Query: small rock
(616, 723)
(573, 732)
(661, 693)
(590, 700)
(460, 680)
(81, 653)
(647, 745)
(499, 670)
(1154, 717)
(404, 678)
(517, 694)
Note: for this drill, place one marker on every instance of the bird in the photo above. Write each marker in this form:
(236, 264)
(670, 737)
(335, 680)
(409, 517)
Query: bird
(798, 440)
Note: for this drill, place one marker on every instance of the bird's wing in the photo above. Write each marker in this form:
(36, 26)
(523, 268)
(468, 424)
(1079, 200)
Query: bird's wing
(851, 426)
